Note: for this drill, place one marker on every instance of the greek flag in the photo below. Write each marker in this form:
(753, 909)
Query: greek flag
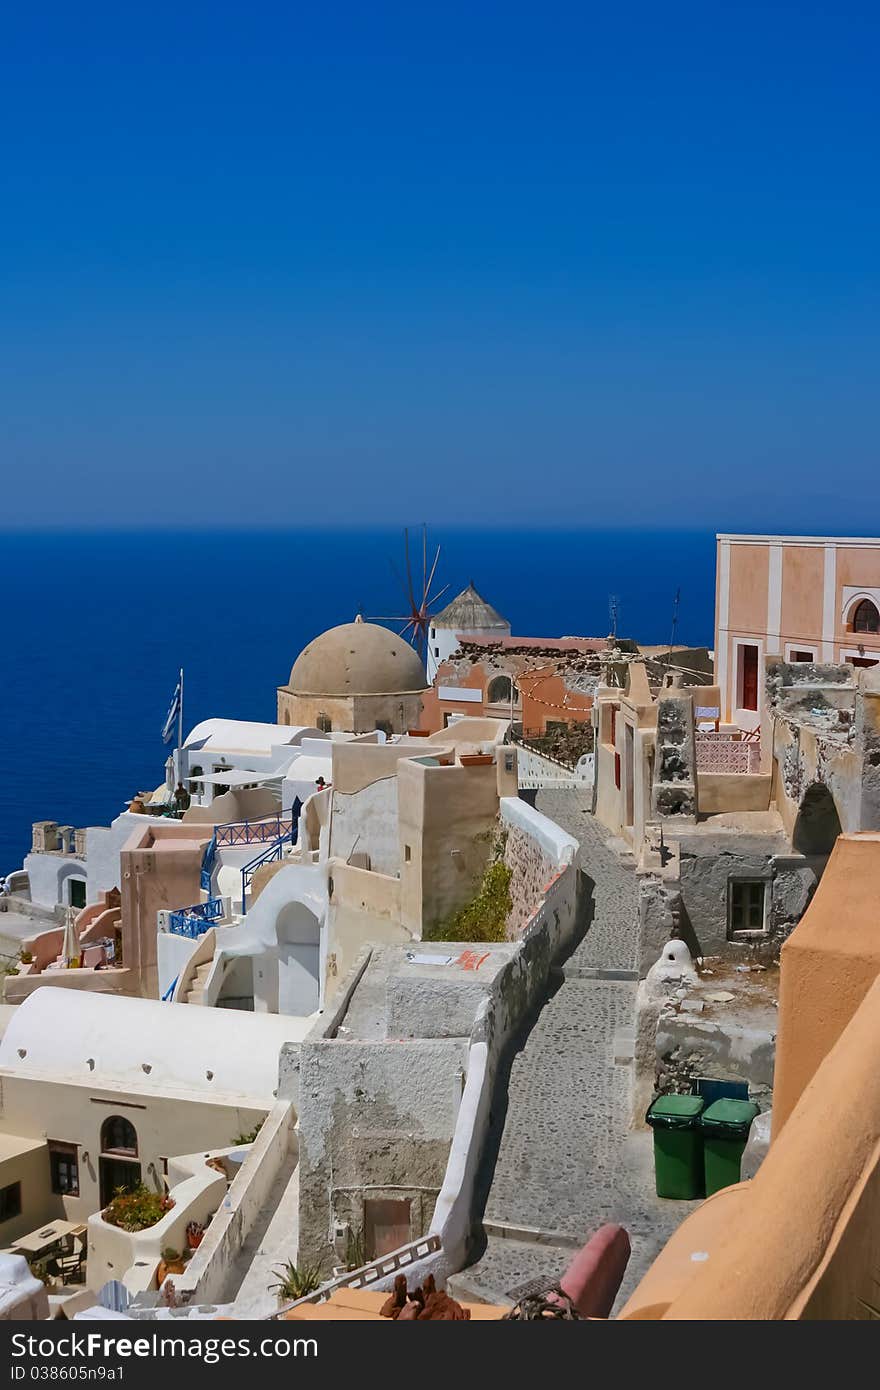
(173, 712)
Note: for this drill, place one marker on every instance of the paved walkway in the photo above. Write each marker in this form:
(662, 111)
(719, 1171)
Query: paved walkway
(566, 1161)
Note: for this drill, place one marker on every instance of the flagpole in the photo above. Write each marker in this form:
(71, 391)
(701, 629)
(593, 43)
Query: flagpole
(180, 725)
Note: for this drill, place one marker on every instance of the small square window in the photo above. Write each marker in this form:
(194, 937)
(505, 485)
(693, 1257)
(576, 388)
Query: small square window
(10, 1201)
(64, 1167)
(747, 899)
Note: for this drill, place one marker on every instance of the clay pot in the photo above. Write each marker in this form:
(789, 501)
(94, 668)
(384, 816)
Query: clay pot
(476, 759)
(167, 1267)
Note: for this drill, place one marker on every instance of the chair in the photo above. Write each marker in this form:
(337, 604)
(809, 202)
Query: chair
(71, 1267)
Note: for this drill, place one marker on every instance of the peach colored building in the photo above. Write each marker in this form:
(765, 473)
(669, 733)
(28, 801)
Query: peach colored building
(804, 598)
(528, 679)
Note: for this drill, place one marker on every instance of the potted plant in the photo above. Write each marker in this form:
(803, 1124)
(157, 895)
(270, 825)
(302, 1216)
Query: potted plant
(295, 1281)
(137, 1210)
(194, 1233)
(475, 759)
(171, 1262)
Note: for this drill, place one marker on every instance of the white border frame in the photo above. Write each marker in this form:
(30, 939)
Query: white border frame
(747, 719)
(800, 647)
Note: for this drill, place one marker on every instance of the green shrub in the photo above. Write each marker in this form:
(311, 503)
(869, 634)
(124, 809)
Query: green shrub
(295, 1281)
(355, 1250)
(137, 1210)
(250, 1136)
(485, 918)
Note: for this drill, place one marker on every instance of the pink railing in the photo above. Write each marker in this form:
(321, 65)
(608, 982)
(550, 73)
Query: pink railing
(721, 753)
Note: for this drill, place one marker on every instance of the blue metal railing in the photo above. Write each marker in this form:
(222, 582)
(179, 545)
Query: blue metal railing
(194, 921)
(208, 864)
(267, 830)
(273, 851)
(166, 997)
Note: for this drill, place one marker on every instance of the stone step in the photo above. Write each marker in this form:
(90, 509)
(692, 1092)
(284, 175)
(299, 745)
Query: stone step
(594, 972)
(505, 1230)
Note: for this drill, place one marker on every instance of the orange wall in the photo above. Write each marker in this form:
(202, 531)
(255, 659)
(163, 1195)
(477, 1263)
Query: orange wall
(433, 709)
(544, 696)
(828, 965)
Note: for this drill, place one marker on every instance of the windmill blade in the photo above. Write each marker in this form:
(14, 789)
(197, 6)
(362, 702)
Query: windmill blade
(412, 599)
(436, 598)
(431, 576)
(424, 564)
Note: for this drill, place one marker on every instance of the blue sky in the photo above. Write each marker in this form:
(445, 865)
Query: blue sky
(477, 263)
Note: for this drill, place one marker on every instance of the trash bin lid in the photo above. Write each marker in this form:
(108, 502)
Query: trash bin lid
(674, 1112)
(731, 1118)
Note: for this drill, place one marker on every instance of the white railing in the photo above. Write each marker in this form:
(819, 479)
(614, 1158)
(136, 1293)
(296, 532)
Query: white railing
(722, 753)
(370, 1273)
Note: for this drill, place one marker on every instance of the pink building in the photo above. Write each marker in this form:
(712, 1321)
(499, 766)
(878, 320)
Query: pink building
(804, 598)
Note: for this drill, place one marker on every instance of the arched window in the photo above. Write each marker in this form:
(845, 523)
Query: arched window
(118, 1136)
(866, 617)
(500, 691)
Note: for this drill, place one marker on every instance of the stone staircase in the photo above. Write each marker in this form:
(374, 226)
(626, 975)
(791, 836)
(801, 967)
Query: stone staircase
(568, 1110)
(195, 993)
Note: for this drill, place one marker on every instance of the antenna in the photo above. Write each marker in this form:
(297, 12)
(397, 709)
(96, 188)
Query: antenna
(613, 611)
(675, 604)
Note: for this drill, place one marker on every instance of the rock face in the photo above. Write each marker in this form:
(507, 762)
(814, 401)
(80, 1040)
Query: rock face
(674, 791)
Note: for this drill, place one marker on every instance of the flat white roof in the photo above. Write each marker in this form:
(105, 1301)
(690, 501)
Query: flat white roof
(14, 1145)
(799, 540)
(147, 1045)
(244, 736)
(237, 777)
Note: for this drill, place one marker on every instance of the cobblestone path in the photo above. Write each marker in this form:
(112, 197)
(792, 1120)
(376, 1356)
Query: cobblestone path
(563, 1164)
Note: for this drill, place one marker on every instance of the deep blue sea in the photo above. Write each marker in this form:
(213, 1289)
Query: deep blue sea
(95, 626)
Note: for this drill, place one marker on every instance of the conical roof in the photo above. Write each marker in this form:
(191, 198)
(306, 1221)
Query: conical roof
(470, 612)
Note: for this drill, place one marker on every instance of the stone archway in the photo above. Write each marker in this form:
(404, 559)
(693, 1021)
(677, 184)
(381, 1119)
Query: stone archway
(818, 824)
(299, 953)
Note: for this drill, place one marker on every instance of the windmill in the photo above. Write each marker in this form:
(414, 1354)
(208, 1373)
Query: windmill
(415, 623)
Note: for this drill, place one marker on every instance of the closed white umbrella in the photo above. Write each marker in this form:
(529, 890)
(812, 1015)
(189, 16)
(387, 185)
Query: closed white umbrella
(70, 949)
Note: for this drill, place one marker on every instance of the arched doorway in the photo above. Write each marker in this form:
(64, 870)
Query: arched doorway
(118, 1162)
(818, 824)
(299, 951)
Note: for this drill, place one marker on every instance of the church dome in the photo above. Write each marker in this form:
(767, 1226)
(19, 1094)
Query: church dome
(357, 659)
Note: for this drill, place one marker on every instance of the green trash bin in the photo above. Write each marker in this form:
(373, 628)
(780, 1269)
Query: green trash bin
(678, 1147)
(725, 1128)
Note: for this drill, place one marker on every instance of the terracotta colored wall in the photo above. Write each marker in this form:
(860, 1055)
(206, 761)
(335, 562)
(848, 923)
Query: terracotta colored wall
(434, 709)
(829, 963)
(160, 868)
(545, 697)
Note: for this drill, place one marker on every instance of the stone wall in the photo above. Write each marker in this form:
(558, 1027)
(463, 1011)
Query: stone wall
(674, 792)
(708, 865)
(532, 868)
(375, 1120)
